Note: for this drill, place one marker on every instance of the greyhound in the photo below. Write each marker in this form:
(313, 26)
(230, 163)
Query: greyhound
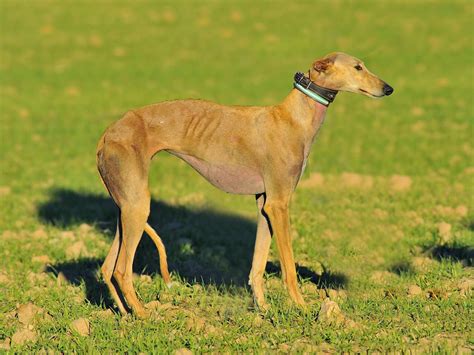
(252, 150)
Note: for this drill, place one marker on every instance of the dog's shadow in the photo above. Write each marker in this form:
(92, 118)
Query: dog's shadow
(203, 245)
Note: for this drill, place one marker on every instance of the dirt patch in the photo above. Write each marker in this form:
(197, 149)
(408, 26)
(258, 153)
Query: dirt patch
(447, 211)
(417, 111)
(353, 180)
(197, 198)
(414, 290)
(85, 228)
(444, 232)
(24, 336)
(337, 295)
(380, 214)
(28, 313)
(38, 278)
(67, 235)
(72, 91)
(195, 323)
(76, 250)
(169, 16)
(330, 234)
(469, 170)
(95, 41)
(462, 210)
(414, 218)
(465, 286)
(5, 190)
(422, 263)
(43, 259)
(400, 183)
(236, 16)
(39, 234)
(330, 313)
(81, 326)
(7, 234)
(119, 52)
(314, 180)
(418, 126)
(4, 278)
(5, 344)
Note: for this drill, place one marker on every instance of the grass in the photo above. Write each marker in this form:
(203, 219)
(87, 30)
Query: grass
(362, 234)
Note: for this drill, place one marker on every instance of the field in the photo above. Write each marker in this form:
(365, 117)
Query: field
(383, 219)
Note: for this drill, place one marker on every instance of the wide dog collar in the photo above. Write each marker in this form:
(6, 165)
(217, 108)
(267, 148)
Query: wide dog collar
(319, 94)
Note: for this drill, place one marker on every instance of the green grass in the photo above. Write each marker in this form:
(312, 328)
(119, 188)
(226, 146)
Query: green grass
(69, 69)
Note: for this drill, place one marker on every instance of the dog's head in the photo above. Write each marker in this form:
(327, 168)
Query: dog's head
(339, 71)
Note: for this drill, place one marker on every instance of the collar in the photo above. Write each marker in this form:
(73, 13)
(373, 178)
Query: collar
(322, 95)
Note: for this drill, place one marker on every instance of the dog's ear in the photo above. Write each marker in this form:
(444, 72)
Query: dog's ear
(322, 65)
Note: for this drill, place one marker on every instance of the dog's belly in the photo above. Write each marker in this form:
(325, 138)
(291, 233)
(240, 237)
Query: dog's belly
(230, 178)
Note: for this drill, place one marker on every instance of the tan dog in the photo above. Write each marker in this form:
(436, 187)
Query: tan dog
(260, 151)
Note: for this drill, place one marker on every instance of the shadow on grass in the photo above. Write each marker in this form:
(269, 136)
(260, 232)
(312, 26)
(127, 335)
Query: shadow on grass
(453, 251)
(468, 223)
(328, 279)
(402, 268)
(203, 245)
(85, 270)
(462, 253)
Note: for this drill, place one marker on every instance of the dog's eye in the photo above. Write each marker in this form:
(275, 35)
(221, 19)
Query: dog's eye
(358, 67)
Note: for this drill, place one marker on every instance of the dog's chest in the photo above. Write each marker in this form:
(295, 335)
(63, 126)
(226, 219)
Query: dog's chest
(228, 177)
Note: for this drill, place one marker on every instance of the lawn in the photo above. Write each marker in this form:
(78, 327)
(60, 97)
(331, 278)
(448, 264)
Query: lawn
(383, 219)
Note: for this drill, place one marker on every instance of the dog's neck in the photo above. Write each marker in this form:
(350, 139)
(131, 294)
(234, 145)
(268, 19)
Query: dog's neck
(308, 115)
(305, 111)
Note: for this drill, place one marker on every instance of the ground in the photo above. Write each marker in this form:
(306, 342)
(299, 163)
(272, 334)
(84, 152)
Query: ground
(383, 221)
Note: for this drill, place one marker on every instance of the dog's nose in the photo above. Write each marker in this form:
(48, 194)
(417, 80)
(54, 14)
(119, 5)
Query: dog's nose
(387, 89)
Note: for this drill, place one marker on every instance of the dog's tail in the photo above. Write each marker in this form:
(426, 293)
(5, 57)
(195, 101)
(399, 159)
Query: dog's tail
(161, 251)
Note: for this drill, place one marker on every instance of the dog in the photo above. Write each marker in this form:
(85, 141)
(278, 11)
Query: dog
(252, 150)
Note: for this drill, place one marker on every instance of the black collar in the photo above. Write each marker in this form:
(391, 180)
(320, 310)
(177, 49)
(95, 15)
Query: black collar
(327, 94)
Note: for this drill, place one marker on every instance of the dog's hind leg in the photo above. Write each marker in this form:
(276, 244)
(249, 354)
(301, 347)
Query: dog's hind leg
(133, 218)
(124, 170)
(107, 270)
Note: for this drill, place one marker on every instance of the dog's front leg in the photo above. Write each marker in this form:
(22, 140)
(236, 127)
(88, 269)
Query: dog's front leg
(260, 255)
(277, 211)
